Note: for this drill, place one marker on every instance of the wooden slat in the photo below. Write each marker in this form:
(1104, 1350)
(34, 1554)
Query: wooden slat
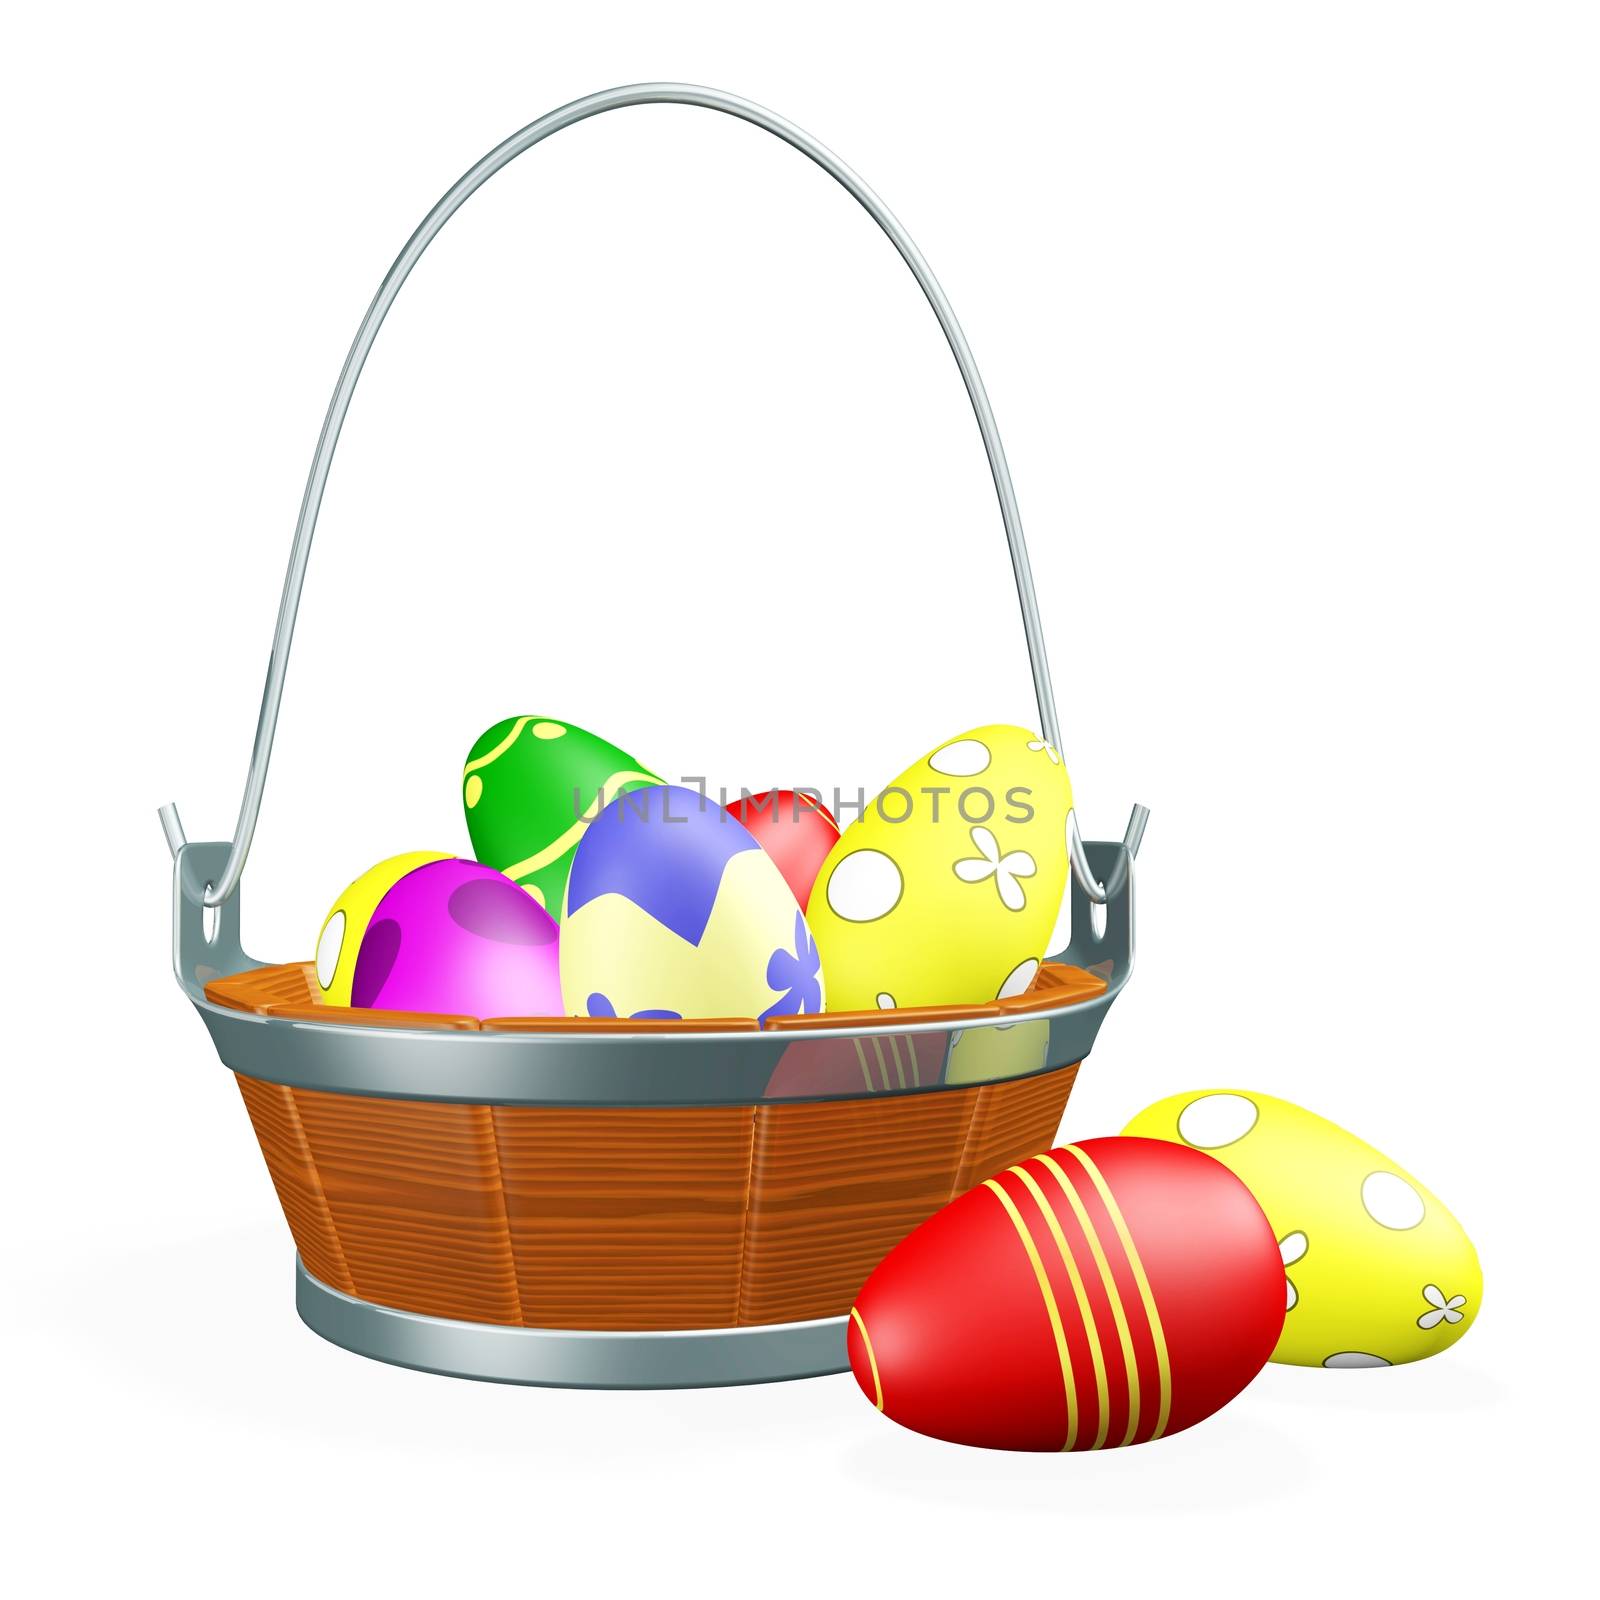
(371, 1017)
(413, 1188)
(624, 1217)
(294, 1176)
(291, 983)
(906, 1015)
(833, 1186)
(1011, 1122)
(1056, 984)
(290, 991)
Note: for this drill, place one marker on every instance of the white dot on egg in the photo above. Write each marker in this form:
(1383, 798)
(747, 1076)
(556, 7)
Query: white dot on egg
(1291, 1247)
(328, 948)
(1354, 1358)
(1216, 1119)
(886, 1001)
(1018, 979)
(865, 886)
(1391, 1201)
(966, 758)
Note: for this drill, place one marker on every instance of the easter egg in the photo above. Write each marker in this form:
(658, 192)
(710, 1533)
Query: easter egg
(345, 925)
(1104, 1293)
(1378, 1271)
(531, 786)
(945, 890)
(457, 937)
(674, 910)
(795, 829)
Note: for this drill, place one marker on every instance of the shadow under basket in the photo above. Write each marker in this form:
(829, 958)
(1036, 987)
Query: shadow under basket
(596, 1203)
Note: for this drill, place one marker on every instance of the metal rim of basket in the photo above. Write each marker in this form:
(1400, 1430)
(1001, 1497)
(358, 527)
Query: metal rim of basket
(214, 892)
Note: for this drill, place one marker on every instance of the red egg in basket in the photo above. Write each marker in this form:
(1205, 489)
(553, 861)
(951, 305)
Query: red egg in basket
(1099, 1294)
(795, 829)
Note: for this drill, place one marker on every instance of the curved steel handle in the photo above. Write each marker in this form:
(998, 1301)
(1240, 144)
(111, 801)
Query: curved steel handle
(578, 111)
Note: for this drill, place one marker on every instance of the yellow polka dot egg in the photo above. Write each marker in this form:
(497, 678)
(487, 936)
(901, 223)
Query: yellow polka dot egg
(1378, 1271)
(945, 891)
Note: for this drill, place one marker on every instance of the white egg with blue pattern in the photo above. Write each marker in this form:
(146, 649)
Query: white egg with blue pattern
(673, 910)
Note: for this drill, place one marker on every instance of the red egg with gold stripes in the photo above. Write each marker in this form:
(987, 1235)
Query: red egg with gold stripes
(1105, 1293)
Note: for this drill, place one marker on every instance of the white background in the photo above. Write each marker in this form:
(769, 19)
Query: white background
(1289, 317)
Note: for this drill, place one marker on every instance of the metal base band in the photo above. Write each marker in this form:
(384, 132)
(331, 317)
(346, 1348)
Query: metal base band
(567, 1359)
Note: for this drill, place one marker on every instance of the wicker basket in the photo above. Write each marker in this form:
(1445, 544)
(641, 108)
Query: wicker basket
(579, 1201)
(632, 1217)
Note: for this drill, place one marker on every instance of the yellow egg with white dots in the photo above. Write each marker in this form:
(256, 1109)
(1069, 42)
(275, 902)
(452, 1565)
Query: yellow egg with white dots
(1378, 1272)
(946, 889)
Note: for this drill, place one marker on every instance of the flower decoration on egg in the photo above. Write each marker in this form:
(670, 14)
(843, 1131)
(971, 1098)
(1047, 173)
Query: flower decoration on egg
(1292, 1247)
(922, 901)
(796, 975)
(1005, 868)
(1444, 1310)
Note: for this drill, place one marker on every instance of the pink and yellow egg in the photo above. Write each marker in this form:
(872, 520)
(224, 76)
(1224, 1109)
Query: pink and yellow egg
(430, 933)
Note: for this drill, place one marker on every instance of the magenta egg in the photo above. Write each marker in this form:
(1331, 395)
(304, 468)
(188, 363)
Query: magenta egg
(457, 937)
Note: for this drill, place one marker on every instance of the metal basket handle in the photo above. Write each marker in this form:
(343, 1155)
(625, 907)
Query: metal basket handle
(578, 111)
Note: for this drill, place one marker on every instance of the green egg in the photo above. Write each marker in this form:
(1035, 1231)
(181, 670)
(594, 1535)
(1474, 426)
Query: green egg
(531, 786)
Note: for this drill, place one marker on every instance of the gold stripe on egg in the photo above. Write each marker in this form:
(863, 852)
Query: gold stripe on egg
(1113, 1294)
(872, 1360)
(1158, 1337)
(1054, 1311)
(1101, 1388)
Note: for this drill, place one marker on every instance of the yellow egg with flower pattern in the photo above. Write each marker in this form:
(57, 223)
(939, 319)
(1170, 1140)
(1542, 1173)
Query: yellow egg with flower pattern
(945, 890)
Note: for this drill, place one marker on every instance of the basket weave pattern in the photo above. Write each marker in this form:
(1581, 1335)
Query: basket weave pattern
(676, 1217)
(626, 1217)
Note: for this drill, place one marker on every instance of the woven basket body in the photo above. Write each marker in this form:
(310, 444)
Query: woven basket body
(623, 1217)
